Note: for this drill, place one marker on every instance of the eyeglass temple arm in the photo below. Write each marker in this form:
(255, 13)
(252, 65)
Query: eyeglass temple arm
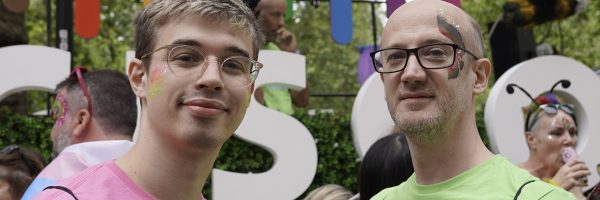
(564, 83)
(511, 90)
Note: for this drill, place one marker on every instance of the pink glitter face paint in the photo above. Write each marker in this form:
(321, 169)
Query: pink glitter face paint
(59, 111)
(450, 30)
(156, 79)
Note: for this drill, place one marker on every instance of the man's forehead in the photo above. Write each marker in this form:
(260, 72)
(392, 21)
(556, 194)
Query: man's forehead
(419, 22)
(202, 37)
(412, 37)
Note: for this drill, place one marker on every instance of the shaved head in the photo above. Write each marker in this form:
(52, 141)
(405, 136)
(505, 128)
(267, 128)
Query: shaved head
(430, 12)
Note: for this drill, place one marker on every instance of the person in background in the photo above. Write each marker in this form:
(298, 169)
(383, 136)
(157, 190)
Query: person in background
(194, 71)
(329, 192)
(550, 130)
(432, 67)
(387, 163)
(18, 166)
(270, 15)
(95, 116)
(12, 183)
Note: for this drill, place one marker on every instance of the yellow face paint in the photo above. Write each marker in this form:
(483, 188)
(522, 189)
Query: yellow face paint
(156, 79)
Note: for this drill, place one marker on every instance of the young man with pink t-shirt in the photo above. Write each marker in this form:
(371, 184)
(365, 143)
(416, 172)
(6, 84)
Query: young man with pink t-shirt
(194, 73)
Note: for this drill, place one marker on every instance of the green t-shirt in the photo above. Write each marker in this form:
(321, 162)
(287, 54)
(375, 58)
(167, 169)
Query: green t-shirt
(496, 178)
(277, 97)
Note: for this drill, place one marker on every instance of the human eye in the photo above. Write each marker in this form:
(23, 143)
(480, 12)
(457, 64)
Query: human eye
(436, 52)
(555, 132)
(395, 56)
(573, 132)
(236, 66)
(185, 57)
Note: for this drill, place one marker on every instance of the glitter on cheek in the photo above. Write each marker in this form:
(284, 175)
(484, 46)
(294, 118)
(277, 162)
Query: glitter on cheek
(62, 107)
(156, 79)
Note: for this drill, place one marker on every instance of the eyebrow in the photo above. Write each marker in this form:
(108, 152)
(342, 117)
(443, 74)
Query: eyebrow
(422, 43)
(195, 43)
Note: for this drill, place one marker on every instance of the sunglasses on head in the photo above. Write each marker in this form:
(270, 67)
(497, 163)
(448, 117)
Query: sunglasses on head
(78, 71)
(549, 109)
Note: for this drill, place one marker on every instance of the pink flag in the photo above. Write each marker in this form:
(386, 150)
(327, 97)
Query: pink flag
(74, 159)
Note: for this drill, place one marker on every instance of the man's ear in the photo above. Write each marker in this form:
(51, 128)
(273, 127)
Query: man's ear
(136, 72)
(81, 120)
(482, 69)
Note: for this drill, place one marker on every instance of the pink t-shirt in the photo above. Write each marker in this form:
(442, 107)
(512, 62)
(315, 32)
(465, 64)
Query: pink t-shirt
(103, 181)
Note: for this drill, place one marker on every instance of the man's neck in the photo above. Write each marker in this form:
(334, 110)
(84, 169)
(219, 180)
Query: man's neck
(452, 153)
(166, 172)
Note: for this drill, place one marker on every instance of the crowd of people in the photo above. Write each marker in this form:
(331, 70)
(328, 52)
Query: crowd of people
(194, 70)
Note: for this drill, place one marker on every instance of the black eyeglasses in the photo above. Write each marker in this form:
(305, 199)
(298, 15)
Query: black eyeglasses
(550, 109)
(28, 163)
(433, 56)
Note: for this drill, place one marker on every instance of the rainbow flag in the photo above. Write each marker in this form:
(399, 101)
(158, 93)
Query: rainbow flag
(74, 159)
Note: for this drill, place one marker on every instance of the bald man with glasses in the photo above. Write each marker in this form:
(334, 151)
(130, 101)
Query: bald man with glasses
(432, 67)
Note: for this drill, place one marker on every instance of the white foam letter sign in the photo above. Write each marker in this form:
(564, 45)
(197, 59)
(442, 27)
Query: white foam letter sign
(288, 140)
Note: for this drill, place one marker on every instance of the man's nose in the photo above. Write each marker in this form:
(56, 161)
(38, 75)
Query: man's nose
(210, 76)
(413, 72)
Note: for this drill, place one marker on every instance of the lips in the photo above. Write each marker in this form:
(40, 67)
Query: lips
(408, 96)
(202, 107)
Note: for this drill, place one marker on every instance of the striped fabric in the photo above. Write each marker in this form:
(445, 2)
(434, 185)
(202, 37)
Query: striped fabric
(74, 159)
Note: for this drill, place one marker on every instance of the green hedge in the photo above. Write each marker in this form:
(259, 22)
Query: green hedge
(25, 130)
(337, 162)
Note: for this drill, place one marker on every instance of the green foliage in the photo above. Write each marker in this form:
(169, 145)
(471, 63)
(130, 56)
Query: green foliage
(337, 162)
(331, 67)
(27, 131)
(107, 49)
(580, 32)
(337, 158)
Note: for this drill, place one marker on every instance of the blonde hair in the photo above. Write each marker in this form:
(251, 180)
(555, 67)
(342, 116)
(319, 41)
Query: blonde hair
(158, 13)
(329, 192)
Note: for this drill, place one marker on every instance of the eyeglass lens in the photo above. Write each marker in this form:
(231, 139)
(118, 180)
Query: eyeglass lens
(430, 56)
(237, 71)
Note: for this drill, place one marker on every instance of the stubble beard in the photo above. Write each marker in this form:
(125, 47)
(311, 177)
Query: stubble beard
(428, 126)
(62, 141)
